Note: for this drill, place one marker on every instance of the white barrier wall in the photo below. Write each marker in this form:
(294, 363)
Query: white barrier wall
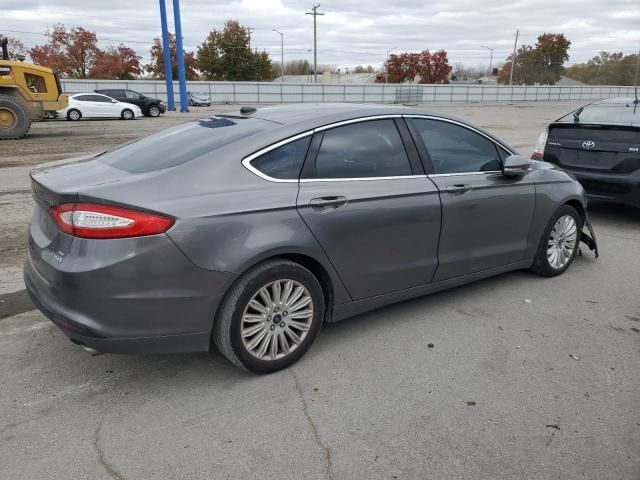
(258, 92)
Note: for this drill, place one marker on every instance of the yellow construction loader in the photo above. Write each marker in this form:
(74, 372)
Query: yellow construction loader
(28, 93)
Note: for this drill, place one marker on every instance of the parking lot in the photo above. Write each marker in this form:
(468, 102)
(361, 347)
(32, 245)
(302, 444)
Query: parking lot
(528, 377)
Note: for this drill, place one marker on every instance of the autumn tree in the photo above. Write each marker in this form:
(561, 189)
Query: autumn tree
(423, 67)
(542, 63)
(16, 48)
(225, 55)
(606, 68)
(156, 64)
(118, 63)
(71, 52)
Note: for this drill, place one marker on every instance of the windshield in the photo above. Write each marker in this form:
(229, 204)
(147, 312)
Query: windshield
(621, 113)
(181, 144)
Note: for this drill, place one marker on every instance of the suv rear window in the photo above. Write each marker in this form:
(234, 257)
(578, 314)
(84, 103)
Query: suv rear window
(181, 144)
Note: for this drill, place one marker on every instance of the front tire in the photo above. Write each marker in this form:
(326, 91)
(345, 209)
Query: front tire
(153, 111)
(270, 317)
(14, 119)
(559, 243)
(127, 114)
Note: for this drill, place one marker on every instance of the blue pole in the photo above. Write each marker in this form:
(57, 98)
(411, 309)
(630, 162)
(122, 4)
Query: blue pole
(184, 107)
(166, 52)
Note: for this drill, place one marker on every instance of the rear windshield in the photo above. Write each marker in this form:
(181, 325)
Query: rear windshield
(181, 144)
(622, 113)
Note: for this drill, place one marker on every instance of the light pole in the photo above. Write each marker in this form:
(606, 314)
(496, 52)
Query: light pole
(386, 66)
(513, 57)
(281, 54)
(315, 43)
(490, 60)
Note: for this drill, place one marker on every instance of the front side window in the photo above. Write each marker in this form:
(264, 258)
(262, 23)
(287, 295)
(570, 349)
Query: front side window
(284, 162)
(131, 95)
(360, 150)
(35, 83)
(456, 149)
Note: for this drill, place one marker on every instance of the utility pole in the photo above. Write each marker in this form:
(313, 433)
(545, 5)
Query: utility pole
(315, 44)
(513, 58)
(281, 54)
(249, 30)
(490, 60)
(386, 66)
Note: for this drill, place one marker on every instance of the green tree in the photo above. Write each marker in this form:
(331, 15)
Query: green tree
(606, 68)
(225, 55)
(542, 63)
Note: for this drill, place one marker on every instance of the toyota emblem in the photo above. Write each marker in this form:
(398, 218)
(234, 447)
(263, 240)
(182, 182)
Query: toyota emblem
(588, 144)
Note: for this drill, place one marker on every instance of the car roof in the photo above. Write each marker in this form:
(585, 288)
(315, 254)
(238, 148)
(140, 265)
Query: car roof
(88, 93)
(313, 115)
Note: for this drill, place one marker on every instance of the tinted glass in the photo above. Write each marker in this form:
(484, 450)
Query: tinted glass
(84, 98)
(365, 149)
(284, 162)
(182, 144)
(131, 95)
(455, 149)
(100, 98)
(607, 114)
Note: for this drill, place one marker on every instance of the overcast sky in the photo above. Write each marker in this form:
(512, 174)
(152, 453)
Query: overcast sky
(351, 32)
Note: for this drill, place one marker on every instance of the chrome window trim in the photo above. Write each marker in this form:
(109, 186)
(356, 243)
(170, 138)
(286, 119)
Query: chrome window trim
(463, 125)
(356, 120)
(403, 177)
(246, 162)
(488, 172)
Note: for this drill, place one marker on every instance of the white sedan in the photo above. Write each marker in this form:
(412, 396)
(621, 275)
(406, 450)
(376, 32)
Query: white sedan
(95, 105)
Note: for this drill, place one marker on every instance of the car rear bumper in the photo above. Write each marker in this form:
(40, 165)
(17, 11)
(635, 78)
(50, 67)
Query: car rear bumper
(617, 188)
(149, 300)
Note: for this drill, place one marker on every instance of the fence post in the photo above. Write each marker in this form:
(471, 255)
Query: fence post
(234, 94)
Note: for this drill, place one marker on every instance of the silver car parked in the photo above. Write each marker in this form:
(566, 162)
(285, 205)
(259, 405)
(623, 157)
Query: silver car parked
(249, 230)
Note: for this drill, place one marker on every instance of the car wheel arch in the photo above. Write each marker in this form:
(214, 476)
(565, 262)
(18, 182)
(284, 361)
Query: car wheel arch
(315, 266)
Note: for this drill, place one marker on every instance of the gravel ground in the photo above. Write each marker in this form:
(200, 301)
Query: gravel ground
(528, 377)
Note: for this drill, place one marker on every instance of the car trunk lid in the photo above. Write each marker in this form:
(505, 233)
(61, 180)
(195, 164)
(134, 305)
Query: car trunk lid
(612, 149)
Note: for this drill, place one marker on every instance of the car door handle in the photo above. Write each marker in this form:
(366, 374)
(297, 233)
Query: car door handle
(327, 203)
(459, 188)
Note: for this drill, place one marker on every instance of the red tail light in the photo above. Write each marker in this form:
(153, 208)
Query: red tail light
(92, 220)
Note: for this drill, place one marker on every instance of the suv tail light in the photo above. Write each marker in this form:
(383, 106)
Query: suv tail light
(92, 220)
(538, 152)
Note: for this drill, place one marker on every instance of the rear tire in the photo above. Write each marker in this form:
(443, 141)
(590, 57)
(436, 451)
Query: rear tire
(270, 316)
(14, 119)
(74, 115)
(127, 114)
(559, 243)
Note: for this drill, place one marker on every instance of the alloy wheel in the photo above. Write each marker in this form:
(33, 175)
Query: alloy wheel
(276, 320)
(562, 242)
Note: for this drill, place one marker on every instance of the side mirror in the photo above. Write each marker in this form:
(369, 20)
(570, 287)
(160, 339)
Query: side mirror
(114, 101)
(515, 166)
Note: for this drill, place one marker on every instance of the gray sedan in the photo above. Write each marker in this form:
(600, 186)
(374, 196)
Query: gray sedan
(249, 230)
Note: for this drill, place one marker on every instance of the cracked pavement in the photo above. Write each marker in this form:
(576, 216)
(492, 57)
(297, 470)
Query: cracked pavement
(528, 378)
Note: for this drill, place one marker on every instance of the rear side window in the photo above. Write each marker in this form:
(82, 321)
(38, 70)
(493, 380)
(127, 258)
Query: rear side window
(456, 149)
(285, 162)
(181, 144)
(365, 149)
(84, 98)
